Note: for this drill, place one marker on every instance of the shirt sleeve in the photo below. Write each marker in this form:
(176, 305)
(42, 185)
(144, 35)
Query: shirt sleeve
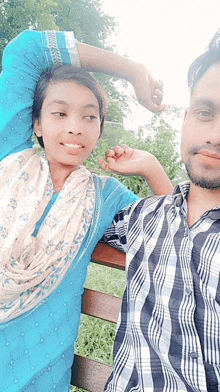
(116, 234)
(24, 58)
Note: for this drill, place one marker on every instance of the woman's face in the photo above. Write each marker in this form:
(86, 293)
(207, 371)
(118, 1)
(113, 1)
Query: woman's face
(69, 123)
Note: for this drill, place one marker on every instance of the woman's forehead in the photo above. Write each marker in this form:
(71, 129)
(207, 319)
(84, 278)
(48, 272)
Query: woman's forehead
(70, 92)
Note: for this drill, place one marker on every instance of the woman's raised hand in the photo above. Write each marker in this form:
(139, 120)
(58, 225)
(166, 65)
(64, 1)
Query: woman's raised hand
(149, 92)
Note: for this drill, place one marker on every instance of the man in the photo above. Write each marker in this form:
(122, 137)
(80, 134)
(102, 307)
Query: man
(168, 336)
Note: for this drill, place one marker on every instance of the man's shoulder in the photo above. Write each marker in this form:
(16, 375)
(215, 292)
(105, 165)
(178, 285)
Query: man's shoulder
(149, 206)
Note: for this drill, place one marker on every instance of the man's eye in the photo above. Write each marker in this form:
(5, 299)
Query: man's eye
(204, 115)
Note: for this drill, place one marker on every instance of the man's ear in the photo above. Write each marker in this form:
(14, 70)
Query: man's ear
(37, 127)
(185, 114)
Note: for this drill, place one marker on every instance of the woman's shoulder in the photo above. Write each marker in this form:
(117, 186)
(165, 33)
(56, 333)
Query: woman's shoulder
(114, 190)
(109, 183)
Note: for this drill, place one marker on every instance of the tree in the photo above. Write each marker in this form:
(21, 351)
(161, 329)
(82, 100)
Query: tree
(84, 17)
(160, 141)
(18, 15)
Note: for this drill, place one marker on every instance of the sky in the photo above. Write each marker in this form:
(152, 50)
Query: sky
(166, 36)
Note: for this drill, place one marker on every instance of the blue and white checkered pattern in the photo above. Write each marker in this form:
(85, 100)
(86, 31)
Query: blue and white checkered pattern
(168, 334)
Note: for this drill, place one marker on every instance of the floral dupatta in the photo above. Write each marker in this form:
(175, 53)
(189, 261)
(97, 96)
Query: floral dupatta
(32, 267)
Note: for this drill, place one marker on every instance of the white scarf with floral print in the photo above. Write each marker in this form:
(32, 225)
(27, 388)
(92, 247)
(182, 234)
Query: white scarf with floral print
(32, 267)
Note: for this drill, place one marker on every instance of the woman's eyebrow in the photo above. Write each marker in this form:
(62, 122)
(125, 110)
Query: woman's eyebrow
(92, 105)
(60, 102)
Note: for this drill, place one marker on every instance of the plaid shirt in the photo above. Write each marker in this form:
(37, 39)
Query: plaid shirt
(168, 335)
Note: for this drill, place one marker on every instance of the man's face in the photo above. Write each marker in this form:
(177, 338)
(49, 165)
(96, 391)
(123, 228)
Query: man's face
(200, 144)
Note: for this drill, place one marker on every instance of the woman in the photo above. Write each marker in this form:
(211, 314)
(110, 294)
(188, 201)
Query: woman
(53, 211)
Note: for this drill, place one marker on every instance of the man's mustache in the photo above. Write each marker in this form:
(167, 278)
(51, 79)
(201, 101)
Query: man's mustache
(208, 147)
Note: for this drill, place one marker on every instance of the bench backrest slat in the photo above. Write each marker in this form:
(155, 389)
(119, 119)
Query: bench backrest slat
(87, 373)
(106, 255)
(103, 306)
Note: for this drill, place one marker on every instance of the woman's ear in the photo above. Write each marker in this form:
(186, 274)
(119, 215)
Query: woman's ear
(37, 127)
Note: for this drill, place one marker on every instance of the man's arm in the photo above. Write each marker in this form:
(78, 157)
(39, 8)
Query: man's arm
(116, 234)
(128, 161)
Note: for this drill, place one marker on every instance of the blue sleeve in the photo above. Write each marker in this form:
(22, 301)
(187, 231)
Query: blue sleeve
(118, 194)
(24, 58)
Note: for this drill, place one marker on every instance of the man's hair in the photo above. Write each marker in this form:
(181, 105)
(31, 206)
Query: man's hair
(201, 64)
(59, 73)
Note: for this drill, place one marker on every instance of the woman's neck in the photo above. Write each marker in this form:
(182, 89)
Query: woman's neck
(59, 174)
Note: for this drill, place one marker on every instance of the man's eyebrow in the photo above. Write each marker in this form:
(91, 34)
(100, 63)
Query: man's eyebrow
(205, 102)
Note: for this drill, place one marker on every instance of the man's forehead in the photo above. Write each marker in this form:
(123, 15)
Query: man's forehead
(208, 86)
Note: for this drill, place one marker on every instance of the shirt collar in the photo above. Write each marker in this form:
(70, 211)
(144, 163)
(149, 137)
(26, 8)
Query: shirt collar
(181, 189)
(180, 193)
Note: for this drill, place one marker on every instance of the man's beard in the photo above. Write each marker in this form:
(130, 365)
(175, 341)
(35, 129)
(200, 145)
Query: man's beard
(202, 182)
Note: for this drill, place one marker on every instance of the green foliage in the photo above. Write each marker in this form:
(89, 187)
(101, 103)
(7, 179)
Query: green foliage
(86, 19)
(91, 25)
(18, 15)
(160, 141)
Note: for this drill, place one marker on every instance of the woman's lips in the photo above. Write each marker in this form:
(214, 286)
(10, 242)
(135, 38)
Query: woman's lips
(73, 148)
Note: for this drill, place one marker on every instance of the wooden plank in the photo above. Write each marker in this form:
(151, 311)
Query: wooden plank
(103, 306)
(106, 255)
(89, 374)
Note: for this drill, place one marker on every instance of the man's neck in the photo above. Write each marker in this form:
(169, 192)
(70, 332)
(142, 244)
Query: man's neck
(200, 200)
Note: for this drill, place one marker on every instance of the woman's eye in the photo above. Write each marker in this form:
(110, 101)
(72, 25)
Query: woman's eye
(59, 114)
(90, 117)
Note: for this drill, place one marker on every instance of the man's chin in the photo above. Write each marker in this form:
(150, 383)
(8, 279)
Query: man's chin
(201, 181)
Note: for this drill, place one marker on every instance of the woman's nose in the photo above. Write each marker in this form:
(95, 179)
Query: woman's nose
(75, 126)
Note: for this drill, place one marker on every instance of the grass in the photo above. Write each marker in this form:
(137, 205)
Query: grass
(95, 337)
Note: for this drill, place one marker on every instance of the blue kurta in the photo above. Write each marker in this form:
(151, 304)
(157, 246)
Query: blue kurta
(37, 348)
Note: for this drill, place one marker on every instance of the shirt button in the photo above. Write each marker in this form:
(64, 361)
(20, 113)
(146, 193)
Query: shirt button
(194, 355)
(188, 291)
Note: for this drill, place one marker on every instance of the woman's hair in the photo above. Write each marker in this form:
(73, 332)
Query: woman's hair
(67, 73)
(201, 64)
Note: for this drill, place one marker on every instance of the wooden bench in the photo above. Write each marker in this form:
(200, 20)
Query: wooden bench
(87, 373)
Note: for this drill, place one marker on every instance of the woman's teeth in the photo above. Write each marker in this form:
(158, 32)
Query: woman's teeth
(72, 145)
